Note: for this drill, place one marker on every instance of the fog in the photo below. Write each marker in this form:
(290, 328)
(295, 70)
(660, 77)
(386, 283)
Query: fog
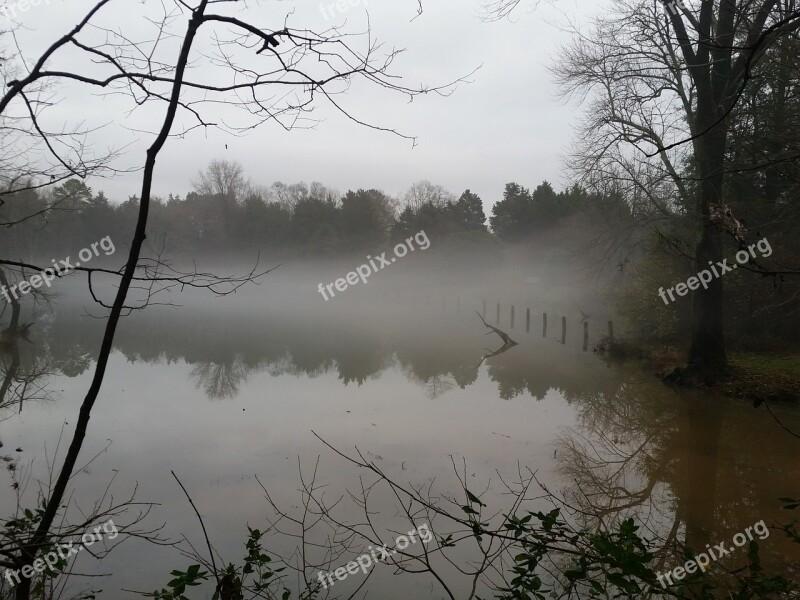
(283, 284)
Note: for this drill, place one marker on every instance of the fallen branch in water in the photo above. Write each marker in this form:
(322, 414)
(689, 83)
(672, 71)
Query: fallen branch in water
(508, 343)
(503, 335)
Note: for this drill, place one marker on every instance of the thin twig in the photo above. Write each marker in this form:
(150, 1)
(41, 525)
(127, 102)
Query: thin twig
(203, 525)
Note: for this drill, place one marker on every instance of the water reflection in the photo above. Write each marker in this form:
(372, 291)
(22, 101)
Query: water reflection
(23, 372)
(683, 464)
(439, 354)
(220, 380)
(695, 470)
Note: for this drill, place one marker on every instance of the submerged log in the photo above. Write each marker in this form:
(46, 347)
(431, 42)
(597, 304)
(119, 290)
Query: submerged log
(508, 343)
(503, 335)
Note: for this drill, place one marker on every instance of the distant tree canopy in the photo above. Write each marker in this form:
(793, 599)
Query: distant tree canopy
(225, 212)
(223, 178)
(522, 214)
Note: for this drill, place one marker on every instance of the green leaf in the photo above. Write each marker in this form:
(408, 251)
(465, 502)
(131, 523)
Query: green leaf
(473, 498)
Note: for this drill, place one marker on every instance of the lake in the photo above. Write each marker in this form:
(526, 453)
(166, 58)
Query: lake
(235, 393)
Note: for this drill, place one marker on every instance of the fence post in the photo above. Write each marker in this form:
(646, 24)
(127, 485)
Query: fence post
(544, 324)
(563, 330)
(528, 321)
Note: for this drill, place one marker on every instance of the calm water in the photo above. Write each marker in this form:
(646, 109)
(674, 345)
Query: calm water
(223, 390)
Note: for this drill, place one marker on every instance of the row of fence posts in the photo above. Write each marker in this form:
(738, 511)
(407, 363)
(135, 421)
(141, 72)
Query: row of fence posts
(544, 323)
(527, 319)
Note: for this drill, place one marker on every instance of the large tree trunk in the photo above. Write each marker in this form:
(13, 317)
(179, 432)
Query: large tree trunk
(713, 77)
(707, 352)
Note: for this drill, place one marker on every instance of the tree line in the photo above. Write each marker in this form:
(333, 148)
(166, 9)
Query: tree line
(225, 213)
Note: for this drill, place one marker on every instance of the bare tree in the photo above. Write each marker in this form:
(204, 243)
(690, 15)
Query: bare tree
(287, 196)
(223, 178)
(424, 192)
(663, 80)
(322, 192)
(250, 61)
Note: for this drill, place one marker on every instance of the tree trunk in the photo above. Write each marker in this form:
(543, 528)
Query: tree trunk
(707, 352)
(40, 538)
(707, 355)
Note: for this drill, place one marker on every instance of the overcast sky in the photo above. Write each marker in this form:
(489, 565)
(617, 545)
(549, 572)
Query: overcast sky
(508, 124)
